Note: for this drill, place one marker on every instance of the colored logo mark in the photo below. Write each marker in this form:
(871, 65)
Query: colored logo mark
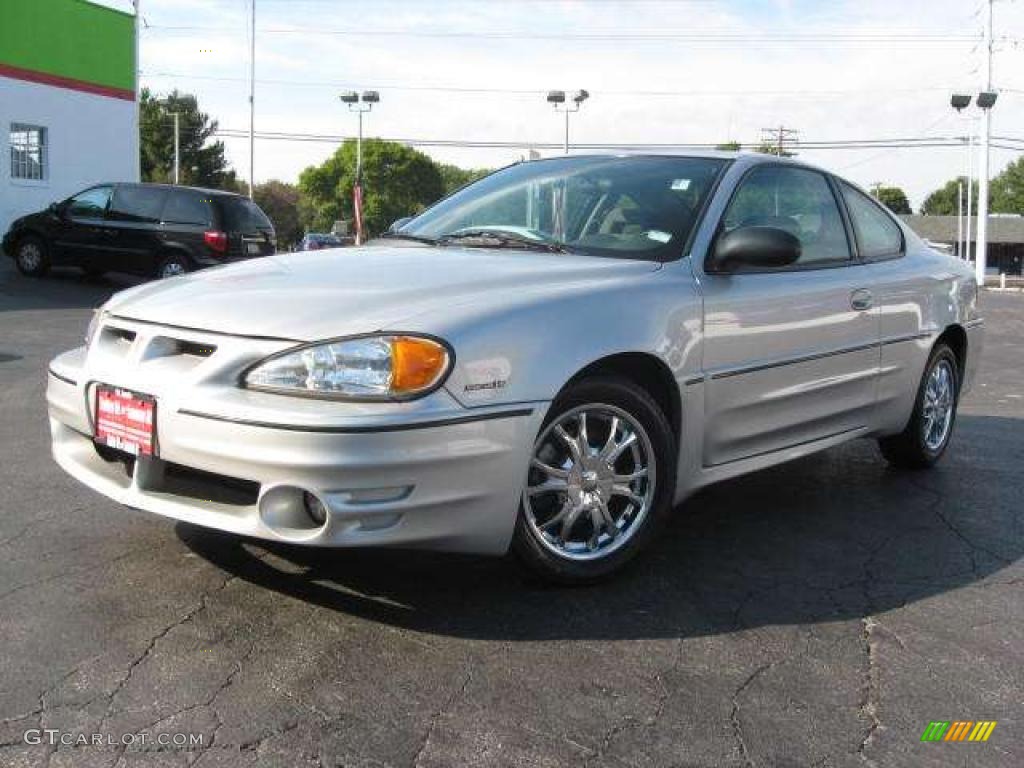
(958, 730)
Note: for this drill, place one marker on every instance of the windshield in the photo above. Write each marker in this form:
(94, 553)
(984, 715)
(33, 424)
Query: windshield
(626, 207)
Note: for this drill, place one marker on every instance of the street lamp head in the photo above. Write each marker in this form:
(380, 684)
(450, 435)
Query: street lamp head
(987, 99)
(960, 101)
(580, 96)
(556, 97)
(371, 97)
(349, 97)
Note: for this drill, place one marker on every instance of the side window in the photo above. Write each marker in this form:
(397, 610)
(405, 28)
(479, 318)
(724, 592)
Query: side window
(796, 200)
(133, 203)
(188, 208)
(878, 236)
(90, 204)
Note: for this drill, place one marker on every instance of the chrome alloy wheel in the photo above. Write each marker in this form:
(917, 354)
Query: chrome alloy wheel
(591, 482)
(30, 256)
(172, 269)
(939, 399)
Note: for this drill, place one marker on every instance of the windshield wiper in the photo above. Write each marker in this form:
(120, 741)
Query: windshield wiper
(404, 236)
(496, 238)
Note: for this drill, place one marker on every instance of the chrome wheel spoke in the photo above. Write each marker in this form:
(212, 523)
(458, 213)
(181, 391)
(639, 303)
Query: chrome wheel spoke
(625, 490)
(608, 520)
(549, 486)
(620, 448)
(568, 522)
(560, 515)
(570, 441)
(642, 472)
(584, 438)
(548, 470)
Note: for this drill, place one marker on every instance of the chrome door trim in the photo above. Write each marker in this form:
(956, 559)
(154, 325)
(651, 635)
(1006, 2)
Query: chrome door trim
(725, 373)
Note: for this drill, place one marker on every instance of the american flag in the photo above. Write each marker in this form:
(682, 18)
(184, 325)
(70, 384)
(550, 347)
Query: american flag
(357, 206)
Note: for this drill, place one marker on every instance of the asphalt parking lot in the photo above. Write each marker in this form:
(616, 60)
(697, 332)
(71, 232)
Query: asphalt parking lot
(815, 614)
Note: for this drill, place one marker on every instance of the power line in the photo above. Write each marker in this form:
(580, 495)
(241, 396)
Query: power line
(710, 36)
(351, 85)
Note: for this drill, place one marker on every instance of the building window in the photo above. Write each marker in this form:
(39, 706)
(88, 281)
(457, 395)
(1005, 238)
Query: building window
(28, 152)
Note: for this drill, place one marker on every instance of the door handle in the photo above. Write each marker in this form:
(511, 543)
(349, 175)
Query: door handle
(861, 300)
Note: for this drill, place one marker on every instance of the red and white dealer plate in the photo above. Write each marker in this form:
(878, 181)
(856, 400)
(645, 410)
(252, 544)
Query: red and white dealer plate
(125, 421)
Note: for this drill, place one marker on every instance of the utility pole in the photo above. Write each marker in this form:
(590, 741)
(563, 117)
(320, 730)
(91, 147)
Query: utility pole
(177, 154)
(960, 219)
(252, 99)
(778, 137)
(983, 169)
(138, 95)
(876, 189)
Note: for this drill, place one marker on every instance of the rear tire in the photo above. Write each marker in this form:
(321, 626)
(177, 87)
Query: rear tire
(605, 463)
(930, 428)
(173, 265)
(31, 257)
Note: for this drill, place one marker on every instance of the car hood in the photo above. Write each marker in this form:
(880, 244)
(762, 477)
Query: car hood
(328, 293)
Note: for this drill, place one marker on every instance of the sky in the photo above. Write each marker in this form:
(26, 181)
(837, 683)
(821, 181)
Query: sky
(692, 71)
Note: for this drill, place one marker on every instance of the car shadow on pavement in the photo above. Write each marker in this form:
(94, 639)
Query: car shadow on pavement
(60, 289)
(830, 537)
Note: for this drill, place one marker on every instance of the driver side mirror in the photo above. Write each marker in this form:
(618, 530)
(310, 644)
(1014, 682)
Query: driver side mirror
(756, 248)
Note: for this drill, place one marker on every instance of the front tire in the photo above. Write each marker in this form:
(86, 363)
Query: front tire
(31, 257)
(600, 483)
(930, 428)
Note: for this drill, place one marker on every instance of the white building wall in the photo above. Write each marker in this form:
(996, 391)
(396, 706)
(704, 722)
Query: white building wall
(90, 139)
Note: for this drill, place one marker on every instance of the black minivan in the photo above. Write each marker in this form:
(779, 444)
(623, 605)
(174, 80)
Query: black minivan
(144, 229)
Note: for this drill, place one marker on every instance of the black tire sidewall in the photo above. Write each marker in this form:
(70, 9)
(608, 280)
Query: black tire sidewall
(928, 456)
(44, 260)
(625, 395)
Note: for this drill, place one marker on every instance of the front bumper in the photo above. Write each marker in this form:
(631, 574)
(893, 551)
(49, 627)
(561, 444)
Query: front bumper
(430, 473)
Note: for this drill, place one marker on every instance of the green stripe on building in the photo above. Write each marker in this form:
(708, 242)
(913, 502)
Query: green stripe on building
(71, 39)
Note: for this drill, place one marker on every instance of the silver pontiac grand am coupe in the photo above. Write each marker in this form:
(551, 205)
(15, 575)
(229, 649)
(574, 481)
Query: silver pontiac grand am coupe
(548, 360)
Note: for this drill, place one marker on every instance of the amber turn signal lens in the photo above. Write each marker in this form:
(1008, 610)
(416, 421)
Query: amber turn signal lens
(416, 364)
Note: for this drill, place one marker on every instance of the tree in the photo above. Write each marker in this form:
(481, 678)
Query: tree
(771, 149)
(397, 181)
(893, 198)
(202, 161)
(280, 201)
(1007, 189)
(729, 146)
(942, 202)
(454, 177)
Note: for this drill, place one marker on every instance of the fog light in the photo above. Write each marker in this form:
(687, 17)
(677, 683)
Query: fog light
(314, 508)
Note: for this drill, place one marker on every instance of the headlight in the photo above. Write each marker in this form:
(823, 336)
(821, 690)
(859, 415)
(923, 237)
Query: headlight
(387, 367)
(94, 324)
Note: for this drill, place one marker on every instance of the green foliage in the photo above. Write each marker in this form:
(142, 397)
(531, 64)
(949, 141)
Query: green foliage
(454, 177)
(1007, 189)
(202, 161)
(771, 149)
(893, 198)
(397, 181)
(280, 201)
(942, 202)
(729, 146)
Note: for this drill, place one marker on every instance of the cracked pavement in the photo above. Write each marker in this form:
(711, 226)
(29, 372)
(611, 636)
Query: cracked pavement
(820, 613)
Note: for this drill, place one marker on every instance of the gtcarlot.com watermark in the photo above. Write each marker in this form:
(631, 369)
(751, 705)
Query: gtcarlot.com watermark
(56, 738)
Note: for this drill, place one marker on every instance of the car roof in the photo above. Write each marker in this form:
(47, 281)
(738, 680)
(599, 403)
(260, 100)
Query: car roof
(201, 190)
(746, 158)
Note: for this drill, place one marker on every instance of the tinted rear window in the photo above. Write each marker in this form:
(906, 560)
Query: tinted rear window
(137, 203)
(188, 208)
(241, 215)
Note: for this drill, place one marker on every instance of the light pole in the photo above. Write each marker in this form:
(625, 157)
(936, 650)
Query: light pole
(359, 104)
(960, 102)
(557, 99)
(985, 101)
(177, 153)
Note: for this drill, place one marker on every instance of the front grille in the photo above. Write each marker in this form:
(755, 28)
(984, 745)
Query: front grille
(209, 486)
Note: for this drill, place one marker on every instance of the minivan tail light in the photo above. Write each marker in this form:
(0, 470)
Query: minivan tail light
(218, 241)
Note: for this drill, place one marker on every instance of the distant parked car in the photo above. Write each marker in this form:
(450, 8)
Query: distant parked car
(315, 241)
(144, 229)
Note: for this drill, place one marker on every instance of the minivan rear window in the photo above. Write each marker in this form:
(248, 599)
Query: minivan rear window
(241, 215)
(188, 208)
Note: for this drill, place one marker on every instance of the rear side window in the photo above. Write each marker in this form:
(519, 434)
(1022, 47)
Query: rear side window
(188, 208)
(242, 215)
(137, 204)
(878, 236)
